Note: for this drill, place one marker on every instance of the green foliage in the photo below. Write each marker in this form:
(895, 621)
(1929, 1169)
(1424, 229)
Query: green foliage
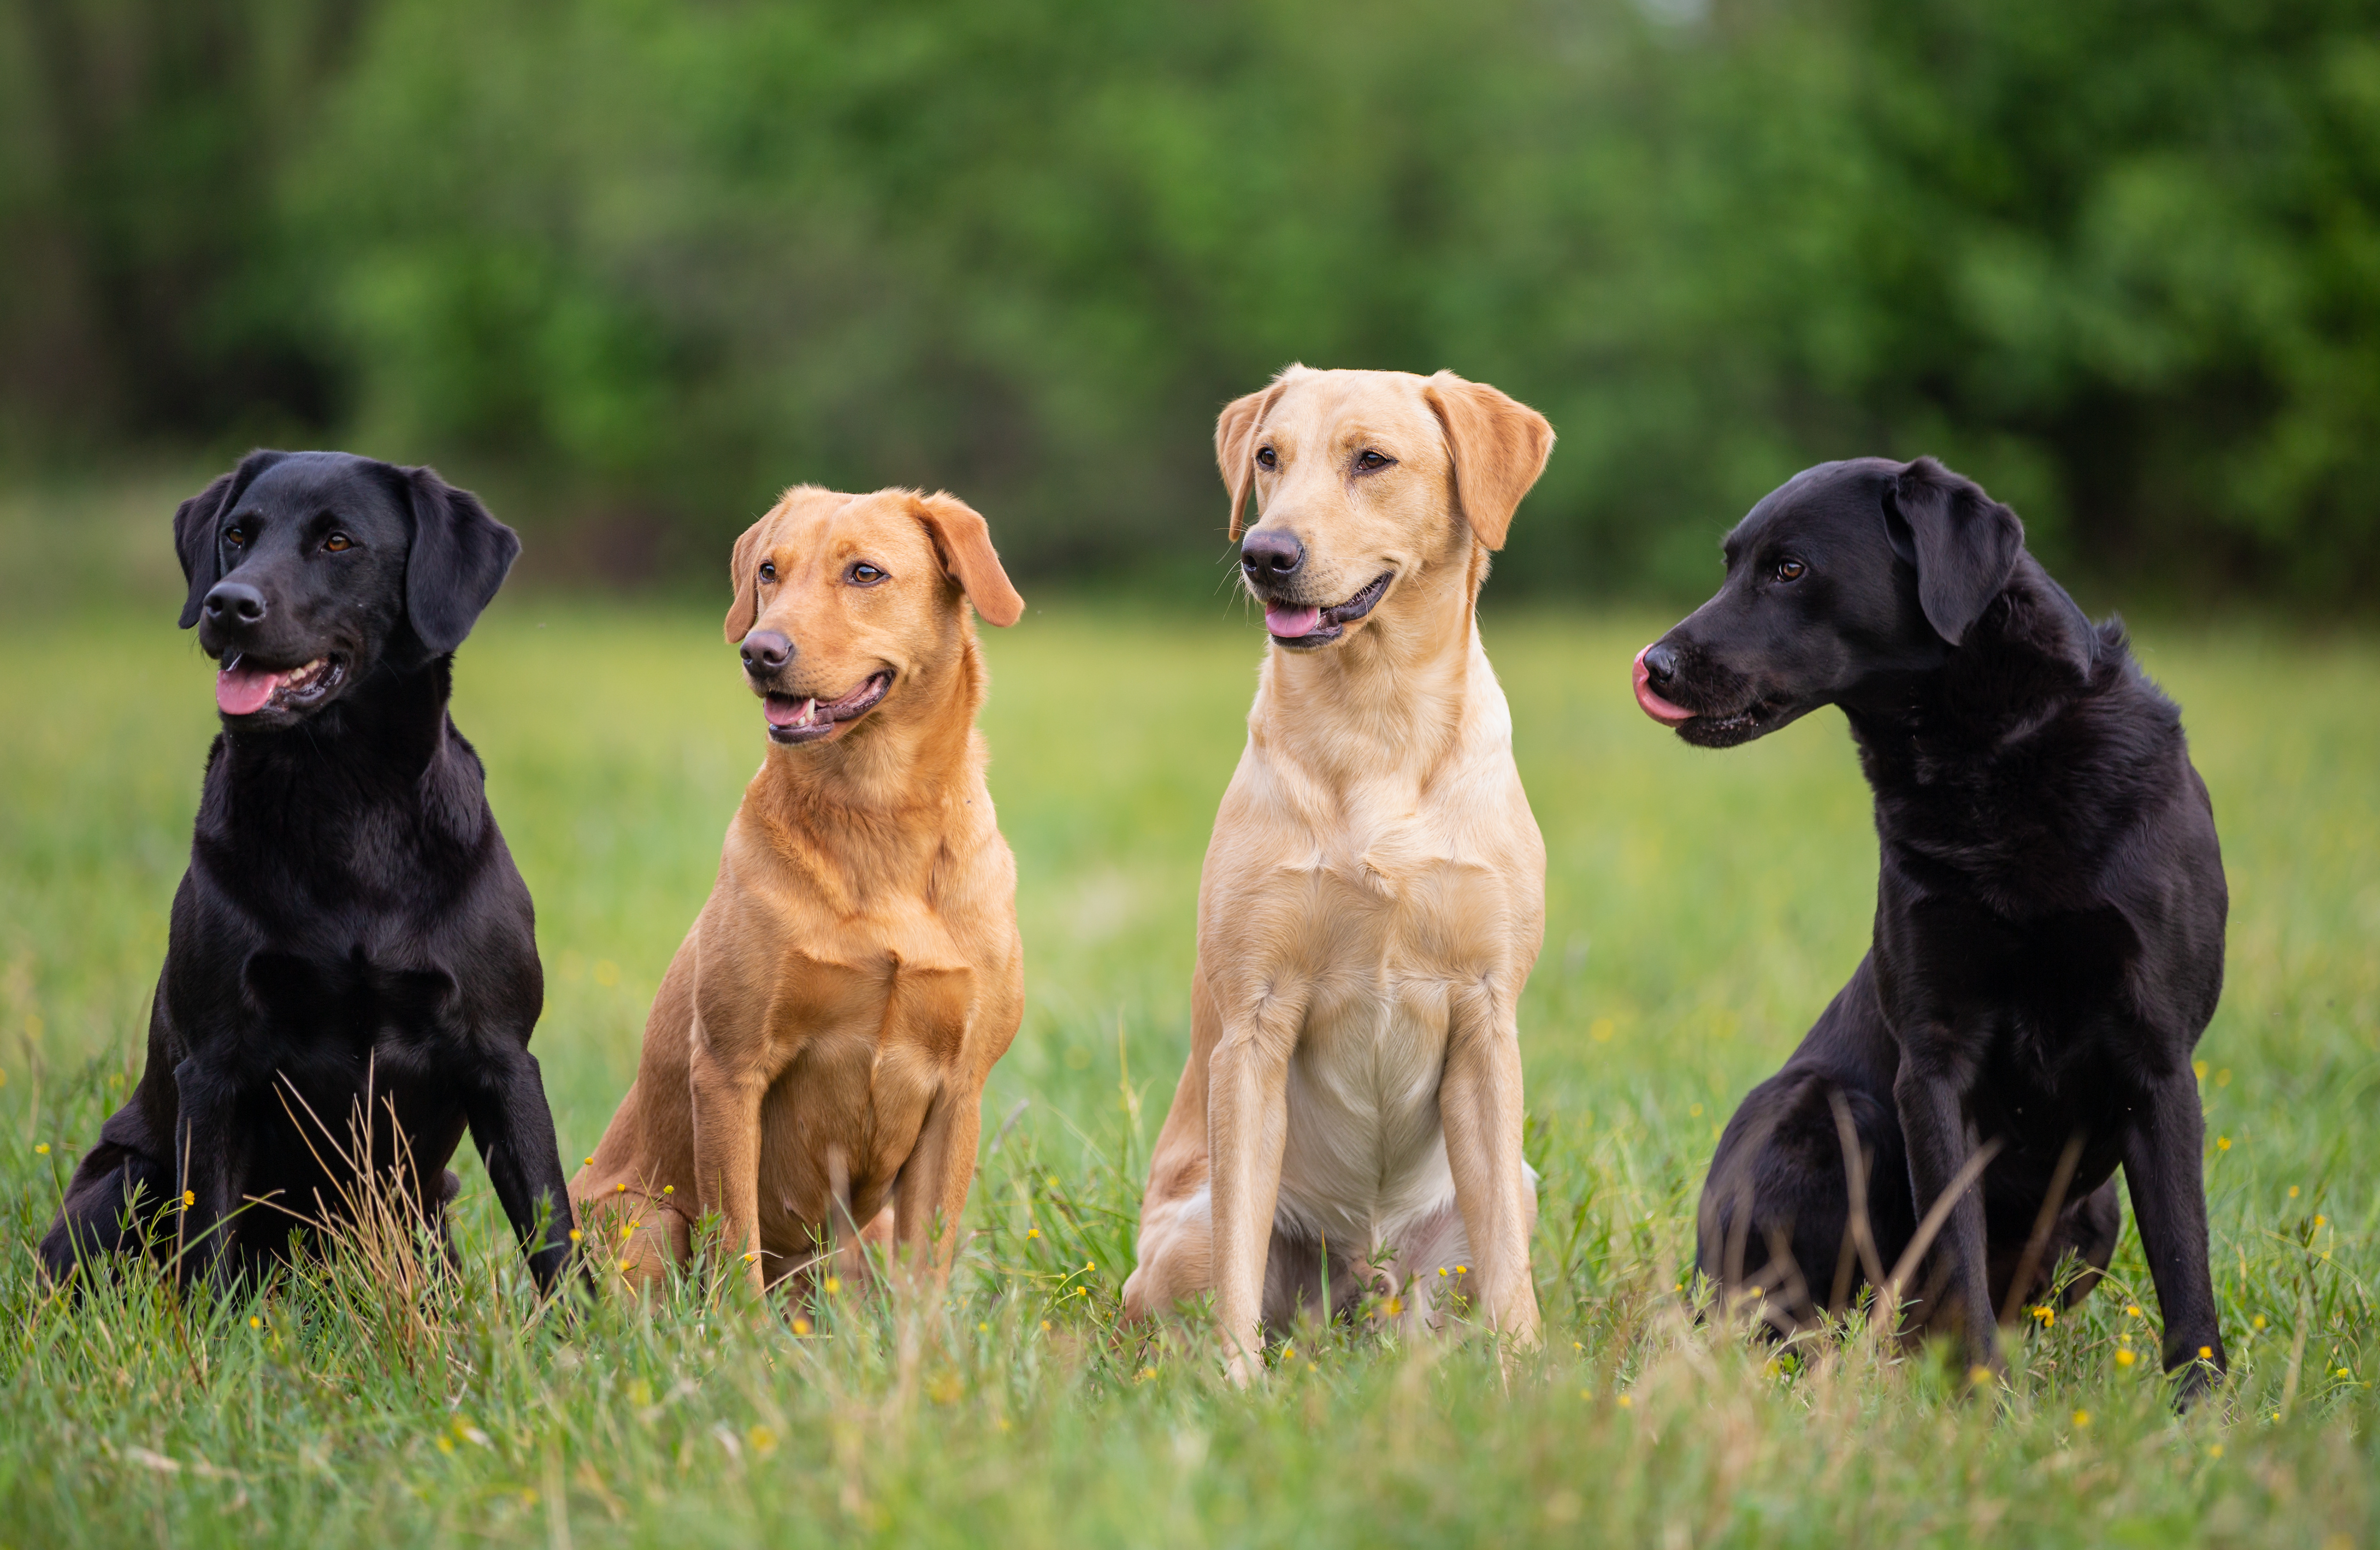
(644, 263)
(1702, 908)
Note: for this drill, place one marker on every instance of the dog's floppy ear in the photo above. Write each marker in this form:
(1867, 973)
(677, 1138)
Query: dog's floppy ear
(1963, 543)
(1236, 441)
(964, 539)
(458, 559)
(194, 528)
(743, 575)
(1499, 446)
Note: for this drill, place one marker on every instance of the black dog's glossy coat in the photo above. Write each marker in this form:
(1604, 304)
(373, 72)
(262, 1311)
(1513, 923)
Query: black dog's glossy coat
(2049, 919)
(351, 923)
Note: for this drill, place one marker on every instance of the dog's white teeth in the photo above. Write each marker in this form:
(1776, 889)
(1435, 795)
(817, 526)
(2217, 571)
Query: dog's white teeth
(809, 709)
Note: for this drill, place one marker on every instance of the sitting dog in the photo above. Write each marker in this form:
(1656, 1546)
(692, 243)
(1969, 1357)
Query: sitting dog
(818, 1049)
(351, 945)
(2049, 924)
(1374, 896)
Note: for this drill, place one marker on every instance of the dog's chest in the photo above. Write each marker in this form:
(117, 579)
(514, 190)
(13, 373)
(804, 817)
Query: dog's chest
(1365, 1144)
(1399, 920)
(2040, 1006)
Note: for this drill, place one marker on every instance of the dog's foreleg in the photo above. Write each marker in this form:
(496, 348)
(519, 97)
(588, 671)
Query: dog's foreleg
(1934, 1127)
(1247, 1127)
(2162, 1171)
(513, 1127)
(934, 1182)
(727, 1149)
(210, 1154)
(1479, 1103)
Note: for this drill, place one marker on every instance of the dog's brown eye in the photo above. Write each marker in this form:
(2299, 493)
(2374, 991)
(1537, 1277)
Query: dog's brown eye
(1265, 458)
(768, 570)
(338, 543)
(864, 574)
(1371, 461)
(1789, 570)
(235, 536)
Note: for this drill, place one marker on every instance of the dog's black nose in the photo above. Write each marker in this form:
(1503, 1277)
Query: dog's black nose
(1269, 555)
(766, 651)
(1660, 662)
(234, 603)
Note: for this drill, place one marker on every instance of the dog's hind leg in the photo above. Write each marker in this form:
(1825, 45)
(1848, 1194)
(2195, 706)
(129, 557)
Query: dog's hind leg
(2089, 1232)
(1307, 1278)
(1799, 1188)
(112, 1206)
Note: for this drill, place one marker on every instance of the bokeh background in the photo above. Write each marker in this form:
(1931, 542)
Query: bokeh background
(630, 266)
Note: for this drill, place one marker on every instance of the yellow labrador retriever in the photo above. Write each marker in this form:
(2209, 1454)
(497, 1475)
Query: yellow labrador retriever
(1374, 894)
(818, 1050)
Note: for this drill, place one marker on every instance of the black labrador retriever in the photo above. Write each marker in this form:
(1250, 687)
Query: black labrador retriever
(2049, 919)
(352, 950)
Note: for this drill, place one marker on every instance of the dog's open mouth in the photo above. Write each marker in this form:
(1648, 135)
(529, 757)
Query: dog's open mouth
(794, 719)
(243, 688)
(1317, 626)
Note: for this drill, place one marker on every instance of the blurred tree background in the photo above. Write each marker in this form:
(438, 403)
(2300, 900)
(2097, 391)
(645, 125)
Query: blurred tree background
(631, 265)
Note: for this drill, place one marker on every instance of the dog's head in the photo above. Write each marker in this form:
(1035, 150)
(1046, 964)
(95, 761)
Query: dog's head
(1364, 480)
(310, 569)
(841, 600)
(1845, 581)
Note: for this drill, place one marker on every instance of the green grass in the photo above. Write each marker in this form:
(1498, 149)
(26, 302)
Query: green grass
(1702, 908)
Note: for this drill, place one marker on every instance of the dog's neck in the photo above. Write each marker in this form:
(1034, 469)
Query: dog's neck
(2028, 655)
(1968, 761)
(863, 789)
(386, 745)
(1398, 694)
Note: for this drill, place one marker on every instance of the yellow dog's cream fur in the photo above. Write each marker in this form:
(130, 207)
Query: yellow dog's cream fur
(1374, 894)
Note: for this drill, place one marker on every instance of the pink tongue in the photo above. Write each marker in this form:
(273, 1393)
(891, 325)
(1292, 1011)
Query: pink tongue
(1653, 705)
(783, 711)
(240, 691)
(1291, 622)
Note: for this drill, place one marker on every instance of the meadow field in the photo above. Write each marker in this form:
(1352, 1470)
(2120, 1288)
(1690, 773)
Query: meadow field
(1702, 908)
